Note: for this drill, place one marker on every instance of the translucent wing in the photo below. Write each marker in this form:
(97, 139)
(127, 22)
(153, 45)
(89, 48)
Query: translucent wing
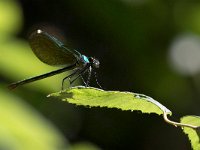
(50, 50)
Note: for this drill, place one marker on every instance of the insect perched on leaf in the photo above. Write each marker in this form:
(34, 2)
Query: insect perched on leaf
(53, 52)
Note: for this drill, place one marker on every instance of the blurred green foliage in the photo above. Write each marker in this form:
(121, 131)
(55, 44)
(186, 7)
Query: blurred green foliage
(131, 38)
(21, 127)
(10, 19)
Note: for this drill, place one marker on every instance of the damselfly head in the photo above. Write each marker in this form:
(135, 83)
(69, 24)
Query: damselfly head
(94, 62)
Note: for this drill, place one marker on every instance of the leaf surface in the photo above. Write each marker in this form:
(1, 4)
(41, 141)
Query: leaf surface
(193, 134)
(93, 97)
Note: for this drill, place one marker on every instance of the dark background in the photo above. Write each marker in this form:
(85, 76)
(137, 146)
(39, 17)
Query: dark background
(132, 40)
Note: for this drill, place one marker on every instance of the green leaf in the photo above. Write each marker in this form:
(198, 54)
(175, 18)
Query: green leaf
(193, 134)
(23, 128)
(10, 18)
(93, 97)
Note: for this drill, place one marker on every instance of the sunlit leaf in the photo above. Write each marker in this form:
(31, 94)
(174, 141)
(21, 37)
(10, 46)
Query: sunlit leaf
(193, 134)
(93, 97)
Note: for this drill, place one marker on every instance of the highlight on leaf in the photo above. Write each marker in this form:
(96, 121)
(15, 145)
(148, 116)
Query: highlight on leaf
(94, 97)
(193, 133)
